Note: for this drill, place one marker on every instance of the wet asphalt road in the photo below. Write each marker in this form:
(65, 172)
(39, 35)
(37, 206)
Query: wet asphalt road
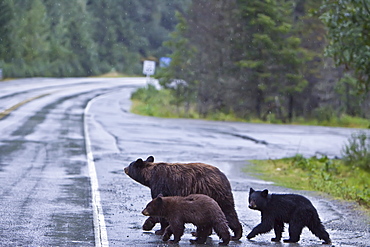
(45, 183)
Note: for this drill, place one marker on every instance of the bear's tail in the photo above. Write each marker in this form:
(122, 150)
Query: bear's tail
(222, 230)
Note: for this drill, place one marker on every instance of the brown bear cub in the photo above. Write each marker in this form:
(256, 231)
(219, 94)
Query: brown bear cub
(200, 210)
(277, 209)
(183, 179)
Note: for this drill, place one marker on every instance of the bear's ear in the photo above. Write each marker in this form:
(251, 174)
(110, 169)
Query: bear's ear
(159, 198)
(150, 159)
(251, 191)
(139, 162)
(264, 193)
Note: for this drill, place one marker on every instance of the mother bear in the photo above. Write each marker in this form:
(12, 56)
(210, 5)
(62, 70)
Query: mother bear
(183, 179)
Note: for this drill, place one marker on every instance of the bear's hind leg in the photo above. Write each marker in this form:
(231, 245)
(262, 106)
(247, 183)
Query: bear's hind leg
(295, 230)
(233, 221)
(167, 233)
(202, 234)
(222, 231)
(178, 231)
(320, 232)
(237, 229)
(194, 234)
(278, 229)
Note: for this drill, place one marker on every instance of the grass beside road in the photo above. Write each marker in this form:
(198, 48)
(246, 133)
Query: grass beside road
(317, 174)
(149, 101)
(113, 74)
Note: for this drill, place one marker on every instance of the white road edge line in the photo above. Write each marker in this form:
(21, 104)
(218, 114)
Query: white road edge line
(100, 230)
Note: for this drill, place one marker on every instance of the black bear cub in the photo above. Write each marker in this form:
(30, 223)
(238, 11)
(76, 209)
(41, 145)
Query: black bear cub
(198, 209)
(277, 209)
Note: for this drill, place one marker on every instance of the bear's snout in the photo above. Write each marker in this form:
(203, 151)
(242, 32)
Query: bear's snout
(252, 205)
(126, 170)
(145, 212)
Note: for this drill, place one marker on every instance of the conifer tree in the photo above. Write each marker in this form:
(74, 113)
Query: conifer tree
(5, 18)
(272, 56)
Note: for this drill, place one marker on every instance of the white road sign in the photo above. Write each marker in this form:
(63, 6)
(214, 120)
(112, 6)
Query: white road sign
(149, 67)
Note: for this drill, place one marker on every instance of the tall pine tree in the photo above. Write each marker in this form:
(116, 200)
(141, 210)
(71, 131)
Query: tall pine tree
(5, 18)
(273, 58)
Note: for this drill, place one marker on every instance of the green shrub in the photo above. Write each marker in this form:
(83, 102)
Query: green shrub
(152, 102)
(356, 153)
(324, 114)
(145, 93)
(315, 164)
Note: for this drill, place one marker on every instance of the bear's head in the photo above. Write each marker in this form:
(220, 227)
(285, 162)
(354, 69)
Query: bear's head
(154, 207)
(140, 171)
(258, 199)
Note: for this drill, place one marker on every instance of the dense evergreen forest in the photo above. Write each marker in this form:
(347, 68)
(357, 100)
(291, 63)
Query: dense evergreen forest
(83, 37)
(272, 59)
(284, 59)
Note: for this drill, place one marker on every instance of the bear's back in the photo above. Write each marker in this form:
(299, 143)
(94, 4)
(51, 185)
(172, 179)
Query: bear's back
(285, 205)
(195, 208)
(182, 179)
(292, 200)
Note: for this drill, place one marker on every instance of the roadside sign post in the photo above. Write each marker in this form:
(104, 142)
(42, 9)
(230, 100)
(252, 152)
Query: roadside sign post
(148, 69)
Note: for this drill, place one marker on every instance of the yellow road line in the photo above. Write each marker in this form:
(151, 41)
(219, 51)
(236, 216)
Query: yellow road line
(14, 107)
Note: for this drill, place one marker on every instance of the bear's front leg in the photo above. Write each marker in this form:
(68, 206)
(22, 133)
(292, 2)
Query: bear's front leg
(259, 229)
(150, 223)
(278, 228)
(252, 234)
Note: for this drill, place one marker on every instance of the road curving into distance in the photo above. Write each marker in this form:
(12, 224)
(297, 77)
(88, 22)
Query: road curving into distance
(64, 143)
(45, 187)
